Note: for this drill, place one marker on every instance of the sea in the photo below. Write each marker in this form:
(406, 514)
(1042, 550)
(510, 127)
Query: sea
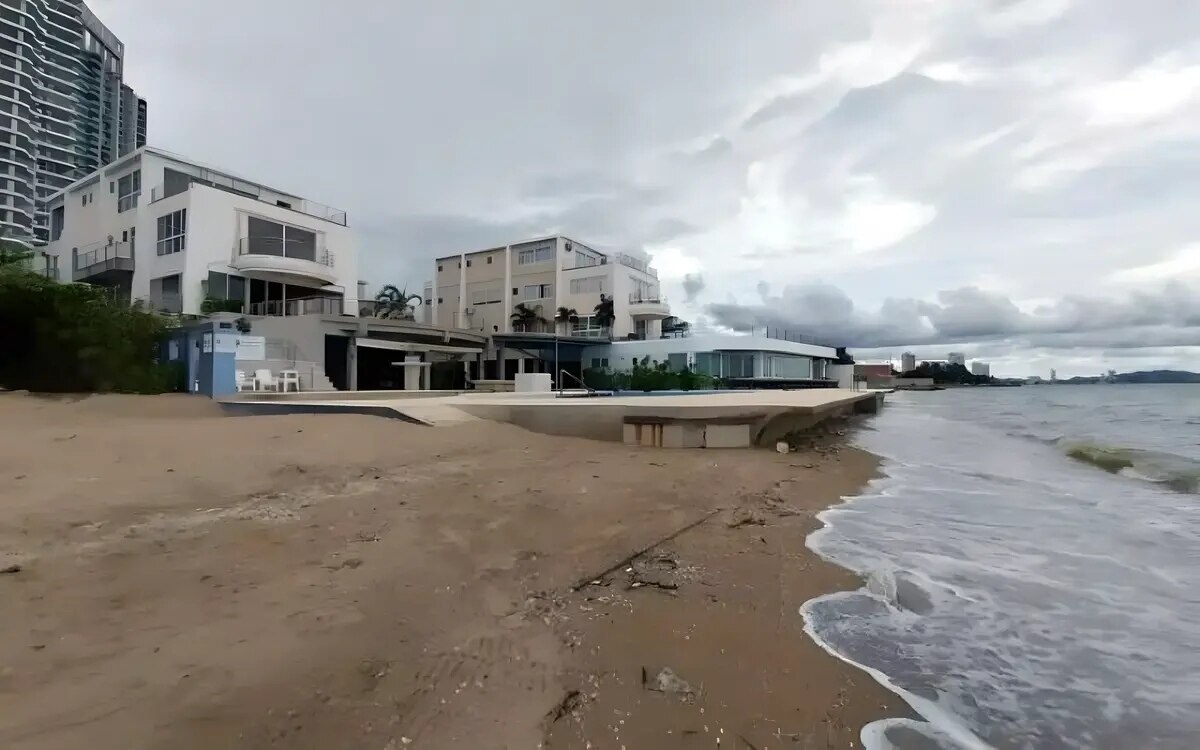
(1032, 567)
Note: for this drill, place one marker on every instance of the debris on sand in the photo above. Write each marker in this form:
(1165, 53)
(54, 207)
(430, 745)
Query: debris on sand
(669, 683)
(744, 517)
(10, 569)
(568, 706)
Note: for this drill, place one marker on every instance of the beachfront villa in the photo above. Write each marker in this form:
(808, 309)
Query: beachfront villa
(183, 237)
(514, 294)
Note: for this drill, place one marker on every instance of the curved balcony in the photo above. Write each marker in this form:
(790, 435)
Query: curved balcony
(648, 306)
(270, 255)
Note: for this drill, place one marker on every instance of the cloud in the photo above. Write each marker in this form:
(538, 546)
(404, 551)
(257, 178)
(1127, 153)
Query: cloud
(1164, 317)
(1006, 150)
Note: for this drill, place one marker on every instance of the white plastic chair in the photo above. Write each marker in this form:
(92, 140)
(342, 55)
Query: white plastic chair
(242, 382)
(289, 379)
(264, 380)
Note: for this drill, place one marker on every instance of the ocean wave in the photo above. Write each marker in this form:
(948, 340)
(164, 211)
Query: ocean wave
(1176, 473)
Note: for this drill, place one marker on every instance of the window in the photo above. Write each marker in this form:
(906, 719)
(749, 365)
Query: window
(57, 220)
(83, 199)
(439, 267)
(112, 186)
(439, 300)
(125, 236)
(273, 238)
(485, 296)
(599, 362)
(587, 285)
(587, 326)
(537, 291)
(539, 253)
(489, 260)
(165, 294)
(128, 189)
(515, 291)
(172, 232)
(468, 263)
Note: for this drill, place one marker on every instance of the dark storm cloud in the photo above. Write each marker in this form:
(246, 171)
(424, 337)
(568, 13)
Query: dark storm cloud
(693, 285)
(1166, 316)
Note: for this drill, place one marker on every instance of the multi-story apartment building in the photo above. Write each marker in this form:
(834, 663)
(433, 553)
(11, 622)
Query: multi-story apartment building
(64, 108)
(908, 362)
(173, 232)
(480, 290)
(981, 368)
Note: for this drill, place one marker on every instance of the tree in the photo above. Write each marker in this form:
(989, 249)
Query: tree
(524, 317)
(395, 303)
(567, 316)
(604, 313)
(14, 252)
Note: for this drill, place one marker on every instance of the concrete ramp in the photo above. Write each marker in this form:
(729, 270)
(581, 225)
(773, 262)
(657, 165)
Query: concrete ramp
(432, 414)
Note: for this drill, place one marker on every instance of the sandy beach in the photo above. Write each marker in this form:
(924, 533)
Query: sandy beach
(178, 578)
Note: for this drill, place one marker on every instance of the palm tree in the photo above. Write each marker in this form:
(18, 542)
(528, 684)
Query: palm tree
(394, 303)
(603, 312)
(566, 316)
(523, 317)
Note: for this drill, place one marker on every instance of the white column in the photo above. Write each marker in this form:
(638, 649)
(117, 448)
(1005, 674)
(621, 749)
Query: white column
(462, 291)
(506, 321)
(520, 365)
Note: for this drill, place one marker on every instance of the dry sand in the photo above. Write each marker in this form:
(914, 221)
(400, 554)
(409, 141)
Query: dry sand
(190, 580)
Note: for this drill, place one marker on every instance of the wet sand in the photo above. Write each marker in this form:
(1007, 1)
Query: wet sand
(190, 580)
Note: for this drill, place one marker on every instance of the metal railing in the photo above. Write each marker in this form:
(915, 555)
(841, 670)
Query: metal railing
(294, 307)
(218, 181)
(171, 303)
(652, 298)
(281, 248)
(106, 252)
(585, 386)
(636, 263)
(786, 334)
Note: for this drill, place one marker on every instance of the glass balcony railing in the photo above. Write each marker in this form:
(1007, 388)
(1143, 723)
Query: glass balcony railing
(281, 248)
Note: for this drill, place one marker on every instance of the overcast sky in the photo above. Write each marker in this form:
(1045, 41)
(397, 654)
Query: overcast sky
(1015, 179)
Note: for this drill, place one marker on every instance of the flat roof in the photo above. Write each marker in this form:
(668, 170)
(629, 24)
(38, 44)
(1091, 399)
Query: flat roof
(133, 156)
(497, 248)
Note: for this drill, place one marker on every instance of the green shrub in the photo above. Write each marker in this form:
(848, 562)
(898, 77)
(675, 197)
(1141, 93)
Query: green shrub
(72, 337)
(648, 376)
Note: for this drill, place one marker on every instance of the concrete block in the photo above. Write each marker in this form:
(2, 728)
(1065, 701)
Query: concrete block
(533, 382)
(727, 436)
(682, 435)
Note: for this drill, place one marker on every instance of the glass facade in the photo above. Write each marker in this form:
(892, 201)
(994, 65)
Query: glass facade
(63, 107)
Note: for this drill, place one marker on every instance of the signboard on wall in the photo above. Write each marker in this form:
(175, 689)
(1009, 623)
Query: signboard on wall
(206, 343)
(225, 343)
(251, 347)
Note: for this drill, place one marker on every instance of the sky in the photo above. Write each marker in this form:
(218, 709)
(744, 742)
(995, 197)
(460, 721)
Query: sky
(1018, 180)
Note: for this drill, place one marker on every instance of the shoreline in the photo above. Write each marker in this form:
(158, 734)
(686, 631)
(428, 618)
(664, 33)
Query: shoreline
(191, 580)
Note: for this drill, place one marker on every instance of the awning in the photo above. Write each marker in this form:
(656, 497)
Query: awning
(412, 346)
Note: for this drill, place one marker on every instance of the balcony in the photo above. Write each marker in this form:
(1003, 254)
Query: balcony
(648, 306)
(250, 190)
(273, 255)
(107, 264)
(294, 307)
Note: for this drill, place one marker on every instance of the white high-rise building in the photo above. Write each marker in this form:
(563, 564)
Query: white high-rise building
(957, 358)
(186, 238)
(908, 362)
(981, 368)
(64, 108)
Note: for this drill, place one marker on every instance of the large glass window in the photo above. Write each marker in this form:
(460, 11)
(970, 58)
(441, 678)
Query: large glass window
(272, 238)
(587, 285)
(537, 291)
(539, 253)
(128, 189)
(172, 232)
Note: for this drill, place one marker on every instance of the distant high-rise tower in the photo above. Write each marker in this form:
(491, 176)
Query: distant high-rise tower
(957, 358)
(64, 109)
(908, 362)
(1053, 375)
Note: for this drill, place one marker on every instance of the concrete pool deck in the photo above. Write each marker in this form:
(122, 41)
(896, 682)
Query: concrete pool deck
(727, 418)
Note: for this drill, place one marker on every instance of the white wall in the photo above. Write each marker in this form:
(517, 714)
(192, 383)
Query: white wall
(216, 221)
(621, 354)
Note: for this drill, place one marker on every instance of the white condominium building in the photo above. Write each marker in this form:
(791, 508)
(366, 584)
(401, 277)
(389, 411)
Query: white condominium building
(480, 290)
(188, 238)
